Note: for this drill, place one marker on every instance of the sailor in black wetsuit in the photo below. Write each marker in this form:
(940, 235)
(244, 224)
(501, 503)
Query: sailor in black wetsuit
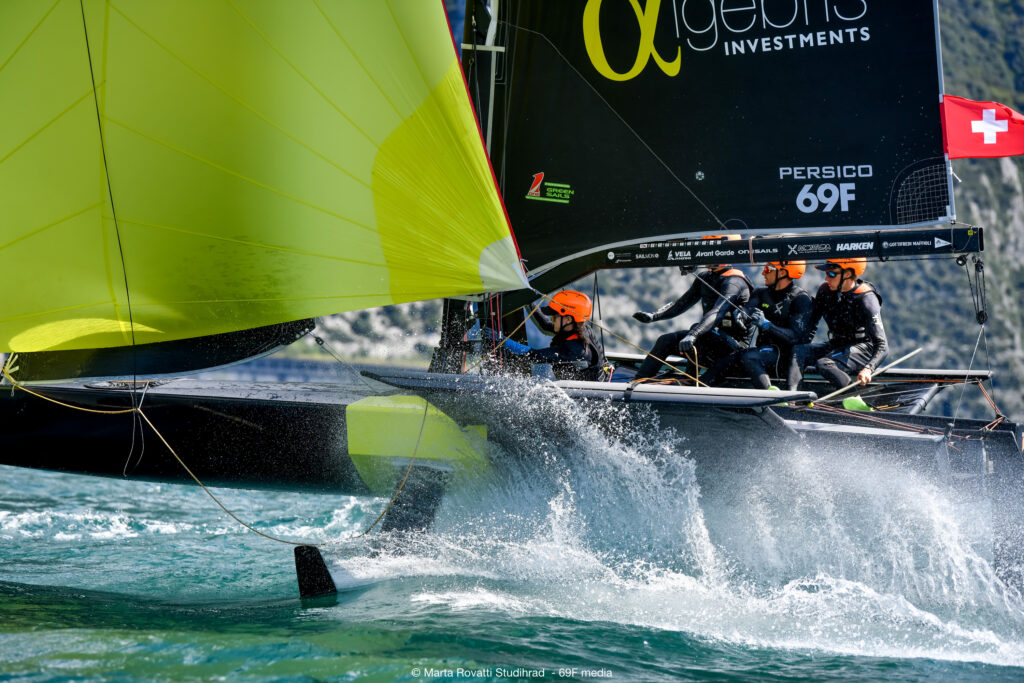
(721, 291)
(777, 313)
(573, 354)
(852, 309)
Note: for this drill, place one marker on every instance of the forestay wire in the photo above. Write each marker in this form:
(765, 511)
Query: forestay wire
(10, 367)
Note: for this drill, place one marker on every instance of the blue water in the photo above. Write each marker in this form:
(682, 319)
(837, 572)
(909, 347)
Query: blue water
(602, 556)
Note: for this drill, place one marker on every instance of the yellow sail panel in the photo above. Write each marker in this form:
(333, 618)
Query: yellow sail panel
(250, 162)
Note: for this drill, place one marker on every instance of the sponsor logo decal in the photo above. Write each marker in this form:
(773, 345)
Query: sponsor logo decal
(825, 172)
(803, 249)
(647, 21)
(538, 179)
(913, 243)
(547, 191)
(826, 196)
(680, 255)
(855, 246)
(939, 243)
(750, 30)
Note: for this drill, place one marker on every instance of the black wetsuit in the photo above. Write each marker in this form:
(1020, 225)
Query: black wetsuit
(787, 312)
(572, 354)
(720, 293)
(856, 335)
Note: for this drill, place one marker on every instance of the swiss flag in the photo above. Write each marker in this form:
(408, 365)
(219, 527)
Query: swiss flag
(981, 129)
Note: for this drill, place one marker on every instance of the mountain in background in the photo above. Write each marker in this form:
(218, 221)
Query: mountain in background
(927, 303)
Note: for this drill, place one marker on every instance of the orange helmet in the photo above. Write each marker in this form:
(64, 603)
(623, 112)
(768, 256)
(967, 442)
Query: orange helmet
(576, 305)
(857, 265)
(794, 269)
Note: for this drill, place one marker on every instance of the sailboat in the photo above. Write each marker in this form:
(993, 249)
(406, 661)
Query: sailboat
(199, 181)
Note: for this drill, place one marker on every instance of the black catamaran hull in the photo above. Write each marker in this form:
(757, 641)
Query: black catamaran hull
(299, 437)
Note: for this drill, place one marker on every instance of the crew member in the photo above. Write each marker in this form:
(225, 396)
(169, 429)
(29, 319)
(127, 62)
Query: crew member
(721, 290)
(852, 309)
(777, 315)
(573, 353)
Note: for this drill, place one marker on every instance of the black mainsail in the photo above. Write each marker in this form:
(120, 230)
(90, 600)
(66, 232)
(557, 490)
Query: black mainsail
(620, 124)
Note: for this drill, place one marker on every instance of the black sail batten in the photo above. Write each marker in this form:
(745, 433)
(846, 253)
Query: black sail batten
(614, 126)
(162, 358)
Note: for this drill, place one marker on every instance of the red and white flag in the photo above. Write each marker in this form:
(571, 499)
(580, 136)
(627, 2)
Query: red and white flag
(981, 129)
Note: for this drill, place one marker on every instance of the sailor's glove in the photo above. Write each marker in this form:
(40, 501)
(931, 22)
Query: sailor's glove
(757, 317)
(644, 317)
(686, 345)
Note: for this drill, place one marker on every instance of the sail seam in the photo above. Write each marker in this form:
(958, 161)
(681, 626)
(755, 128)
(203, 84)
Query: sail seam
(36, 314)
(50, 225)
(29, 36)
(412, 53)
(238, 175)
(45, 126)
(251, 109)
(387, 298)
(358, 61)
(231, 240)
(301, 75)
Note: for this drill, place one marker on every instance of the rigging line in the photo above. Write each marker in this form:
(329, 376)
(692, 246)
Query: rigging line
(970, 285)
(697, 275)
(6, 370)
(988, 361)
(720, 295)
(136, 421)
(337, 356)
(106, 172)
(643, 142)
(956, 413)
(210, 493)
(898, 392)
(510, 51)
(408, 471)
(497, 300)
(872, 418)
(887, 422)
(935, 380)
(648, 353)
(476, 72)
(990, 400)
(498, 346)
(597, 300)
(113, 210)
